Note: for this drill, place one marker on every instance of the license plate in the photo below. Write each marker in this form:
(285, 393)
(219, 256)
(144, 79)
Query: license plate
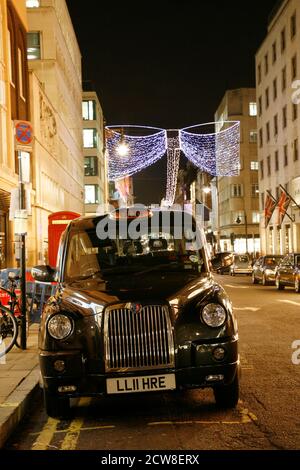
(152, 383)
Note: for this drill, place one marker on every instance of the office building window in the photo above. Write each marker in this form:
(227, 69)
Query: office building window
(283, 79)
(89, 110)
(254, 190)
(275, 89)
(277, 192)
(91, 192)
(266, 64)
(296, 154)
(267, 98)
(276, 161)
(33, 46)
(268, 165)
(236, 190)
(295, 111)
(261, 137)
(253, 137)
(285, 155)
(255, 217)
(282, 40)
(252, 109)
(275, 124)
(90, 166)
(294, 67)
(254, 166)
(260, 106)
(259, 73)
(261, 164)
(293, 25)
(268, 131)
(90, 138)
(284, 117)
(32, 3)
(274, 52)
(20, 73)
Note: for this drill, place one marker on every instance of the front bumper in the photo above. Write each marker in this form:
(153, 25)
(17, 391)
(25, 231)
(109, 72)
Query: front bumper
(194, 364)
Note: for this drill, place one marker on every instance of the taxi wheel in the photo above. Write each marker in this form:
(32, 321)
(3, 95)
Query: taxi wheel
(56, 407)
(297, 285)
(264, 281)
(227, 396)
(254, 280)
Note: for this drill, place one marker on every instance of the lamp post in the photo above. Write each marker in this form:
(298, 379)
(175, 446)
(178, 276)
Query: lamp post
(239, 221)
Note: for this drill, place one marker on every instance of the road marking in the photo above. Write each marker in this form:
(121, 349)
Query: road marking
(45, 437)
(236, 287)
(7, 404)
(249, 309)
(246, 418)
(71, 438)
(89, 428)
(289, 302)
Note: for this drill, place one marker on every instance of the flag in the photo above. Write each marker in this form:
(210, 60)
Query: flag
(270, 205)
(283, 205)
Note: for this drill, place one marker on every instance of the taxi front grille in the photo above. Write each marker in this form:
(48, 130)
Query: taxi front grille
(138, 339)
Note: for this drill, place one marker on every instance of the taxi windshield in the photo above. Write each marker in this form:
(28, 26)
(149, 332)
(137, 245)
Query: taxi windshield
(156, 249)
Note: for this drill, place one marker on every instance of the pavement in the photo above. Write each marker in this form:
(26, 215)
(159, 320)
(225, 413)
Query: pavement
(19, 379)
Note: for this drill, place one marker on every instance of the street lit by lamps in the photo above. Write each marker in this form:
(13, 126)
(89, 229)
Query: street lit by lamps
(239, 221)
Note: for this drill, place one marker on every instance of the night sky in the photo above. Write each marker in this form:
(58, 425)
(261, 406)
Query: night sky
(167, 63)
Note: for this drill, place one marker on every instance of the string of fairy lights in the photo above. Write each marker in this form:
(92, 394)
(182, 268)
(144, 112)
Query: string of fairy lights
(173, 159)
(131, 149)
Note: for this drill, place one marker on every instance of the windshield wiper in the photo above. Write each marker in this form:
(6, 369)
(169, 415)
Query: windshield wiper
(158, 267)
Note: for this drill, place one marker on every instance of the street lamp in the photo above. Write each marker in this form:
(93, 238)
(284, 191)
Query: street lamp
(239, 221)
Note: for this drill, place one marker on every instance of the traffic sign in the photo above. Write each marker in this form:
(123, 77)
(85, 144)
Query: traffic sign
(23, 135)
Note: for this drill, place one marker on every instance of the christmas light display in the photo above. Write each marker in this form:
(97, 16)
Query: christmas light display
(216, 153)
(129, 154)
(173, 158)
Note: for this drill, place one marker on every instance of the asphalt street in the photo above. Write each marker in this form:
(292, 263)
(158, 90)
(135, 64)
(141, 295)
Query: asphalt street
(267, 417)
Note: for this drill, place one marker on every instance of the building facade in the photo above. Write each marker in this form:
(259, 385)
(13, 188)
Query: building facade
(14, 105)
(238, 196)
(278, 98)
(56, 113)
(95, 164)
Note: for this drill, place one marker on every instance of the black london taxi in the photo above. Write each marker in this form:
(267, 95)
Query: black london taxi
(136, 310)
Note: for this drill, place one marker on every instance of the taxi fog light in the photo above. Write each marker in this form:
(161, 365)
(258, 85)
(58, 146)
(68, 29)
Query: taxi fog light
(67, 388)
(219, 354)
(214, 378)
(59, 366)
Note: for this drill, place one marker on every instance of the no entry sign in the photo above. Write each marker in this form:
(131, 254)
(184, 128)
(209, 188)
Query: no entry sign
(23, 134)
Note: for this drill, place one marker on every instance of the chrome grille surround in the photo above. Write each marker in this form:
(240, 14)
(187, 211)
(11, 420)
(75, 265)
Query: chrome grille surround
(138, 340)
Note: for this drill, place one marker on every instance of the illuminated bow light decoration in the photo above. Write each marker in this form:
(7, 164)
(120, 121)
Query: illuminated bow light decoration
(216, 153)
(173, 159)
(129, 154)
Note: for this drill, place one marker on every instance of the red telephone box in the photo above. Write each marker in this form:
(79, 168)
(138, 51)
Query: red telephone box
(57, 223)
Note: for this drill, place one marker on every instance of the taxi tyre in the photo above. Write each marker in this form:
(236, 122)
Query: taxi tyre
(264, 280)
(254, 280)
(56, 406)
(227, 396)
(279, 286)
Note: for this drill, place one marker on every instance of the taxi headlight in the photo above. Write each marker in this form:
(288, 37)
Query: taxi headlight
(60, 326)
(214, 315)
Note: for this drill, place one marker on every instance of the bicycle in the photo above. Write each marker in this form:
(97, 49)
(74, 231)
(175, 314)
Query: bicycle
(10, 318)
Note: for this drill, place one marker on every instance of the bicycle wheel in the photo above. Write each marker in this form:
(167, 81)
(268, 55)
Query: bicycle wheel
(8, 330)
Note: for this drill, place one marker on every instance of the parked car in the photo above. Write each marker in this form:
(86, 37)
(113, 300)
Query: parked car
(241, 265)
(264, 269)
(149, 320)
(222, 261)
(288, 272)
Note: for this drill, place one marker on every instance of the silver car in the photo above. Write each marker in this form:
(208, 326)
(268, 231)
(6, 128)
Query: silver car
(264, 269)
(241, 265)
